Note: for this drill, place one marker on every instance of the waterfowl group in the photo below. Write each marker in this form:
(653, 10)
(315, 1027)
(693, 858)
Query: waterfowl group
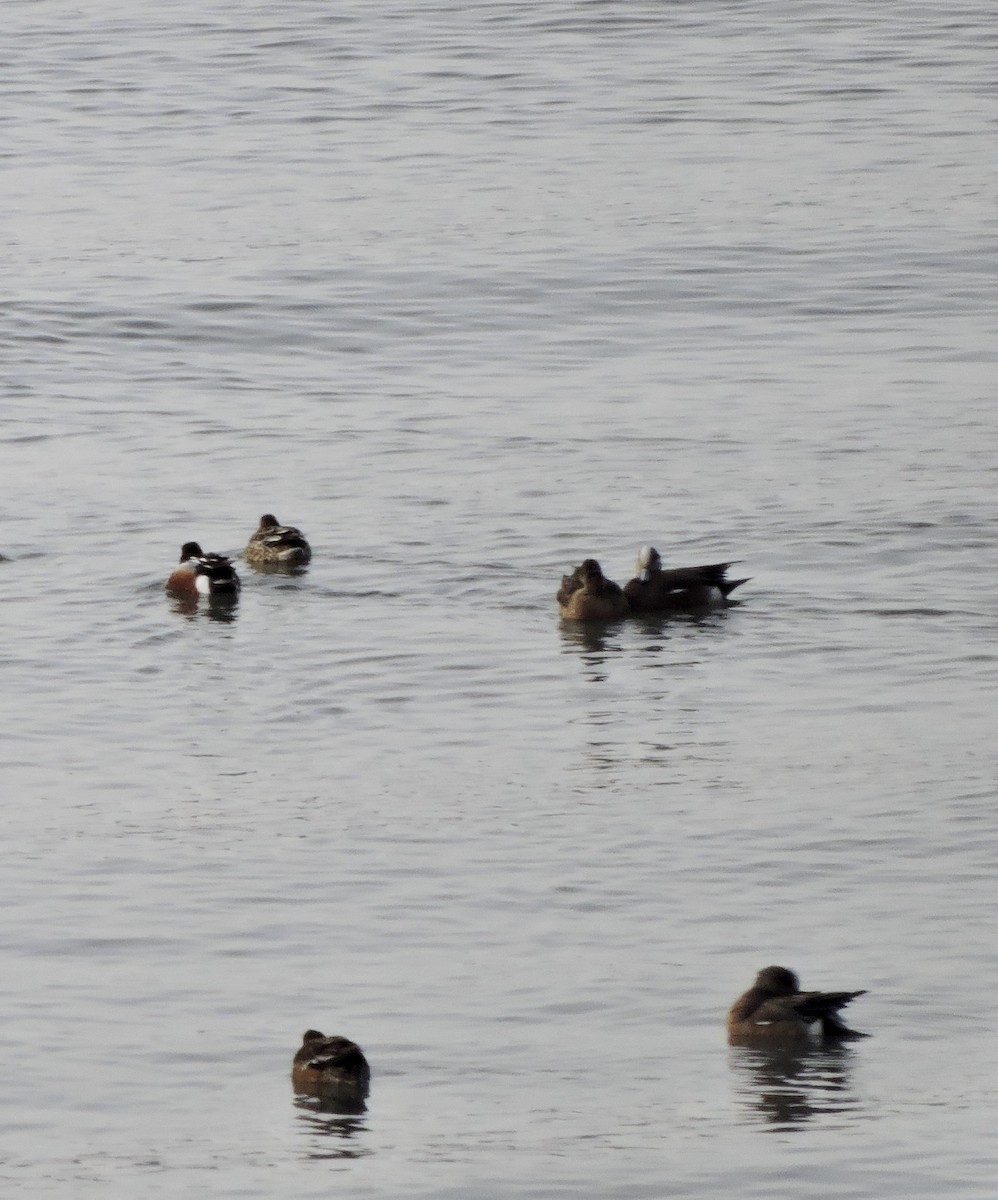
(774, 1011)
(587, 595)
(272, 547)
(773, 1014)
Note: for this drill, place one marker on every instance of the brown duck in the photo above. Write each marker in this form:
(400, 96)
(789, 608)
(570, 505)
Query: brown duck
(587, 595)
(274, 544)
(775, 1011)
(330, 1064)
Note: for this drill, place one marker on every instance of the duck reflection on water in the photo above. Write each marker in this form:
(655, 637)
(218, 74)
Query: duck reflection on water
(788, 1086)
(331, 1133)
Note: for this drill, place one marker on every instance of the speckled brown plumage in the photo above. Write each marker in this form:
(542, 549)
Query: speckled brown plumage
(274, 544)
(587, 595)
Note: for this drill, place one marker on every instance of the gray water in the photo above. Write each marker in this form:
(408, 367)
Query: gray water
(471, 292)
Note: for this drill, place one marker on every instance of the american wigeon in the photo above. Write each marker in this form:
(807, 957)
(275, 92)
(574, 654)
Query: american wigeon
(201, 574)
(775, 1011)
(681, 589)
(274, 544)
(587, 595)
(330, 1064)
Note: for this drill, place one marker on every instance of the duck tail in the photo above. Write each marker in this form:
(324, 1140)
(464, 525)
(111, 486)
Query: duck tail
(832, 1027)
(727, 586)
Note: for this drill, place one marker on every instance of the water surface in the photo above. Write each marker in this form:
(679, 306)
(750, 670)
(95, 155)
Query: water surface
(470, 293)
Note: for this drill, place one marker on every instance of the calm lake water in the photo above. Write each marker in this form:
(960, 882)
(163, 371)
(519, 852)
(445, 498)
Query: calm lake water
(471, 292)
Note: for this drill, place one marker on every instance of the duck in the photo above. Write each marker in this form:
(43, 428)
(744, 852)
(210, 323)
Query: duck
(587, 595)
(201, 574)
(775, 1011)
(681, 589)
(330, 1064)
(274, 544)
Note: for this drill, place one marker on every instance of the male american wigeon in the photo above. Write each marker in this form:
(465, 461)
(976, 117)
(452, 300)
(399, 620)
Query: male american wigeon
(201, 574)
(587, 595)
(775, 1011)
(330, 1064)
(681, 589)
(274, 544)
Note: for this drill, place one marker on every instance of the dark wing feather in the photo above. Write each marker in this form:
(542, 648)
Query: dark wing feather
(814, 1006)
